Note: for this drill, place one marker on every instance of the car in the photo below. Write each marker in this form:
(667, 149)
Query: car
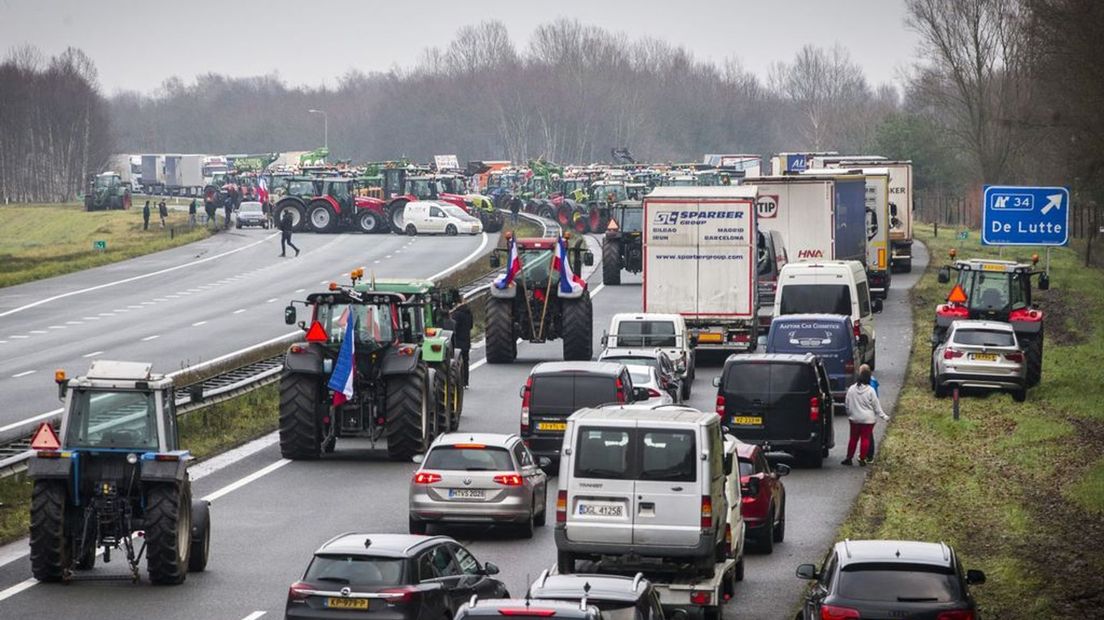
(527, 609)
(479, 478)
(392, 577)
(648, 378)
(890, 579)
(764, 498)
(434, 216)
(619, 597)
(647, 330)
(829, 337)
(979, 354)
(781, 401)
(669, 378)
(251, 213)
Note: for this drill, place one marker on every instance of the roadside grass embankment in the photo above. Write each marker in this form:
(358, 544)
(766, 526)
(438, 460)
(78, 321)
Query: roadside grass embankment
(43, 241)
(1016, 488)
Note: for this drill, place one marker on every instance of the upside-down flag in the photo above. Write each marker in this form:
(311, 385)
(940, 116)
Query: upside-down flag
(341, 381)
(513, 266)
(570, 282)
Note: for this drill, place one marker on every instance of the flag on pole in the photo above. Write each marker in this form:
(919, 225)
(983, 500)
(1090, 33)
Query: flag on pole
(570, 282)
(341, 381)
(262, 189)
(513, 266)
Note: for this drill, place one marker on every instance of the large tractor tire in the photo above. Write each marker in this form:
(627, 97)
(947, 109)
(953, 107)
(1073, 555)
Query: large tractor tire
(501, 339)
(50, 546)
(547, 210)
(370, 222)
(300, 430)
(578, 329)
(408, 406)
(442, 400)
(492, 221)
(565, 214)
(322, 217)
(395, 216)
(295, 208)
(456, 380)
(594, 219)
(89, 205)
(1033, 355)
(611, 263)
(201, 536)
(168, 532)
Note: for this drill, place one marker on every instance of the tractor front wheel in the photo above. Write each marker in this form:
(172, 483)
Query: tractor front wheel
(300, 432)
(611, 263)
(578, 329)
(50, 545)
(201, 536)
(408, 410)
(168, 532)
(1033, 354)
(501, 339)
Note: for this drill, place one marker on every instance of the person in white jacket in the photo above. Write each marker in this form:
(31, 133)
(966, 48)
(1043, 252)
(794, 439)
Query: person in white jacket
(863, 411)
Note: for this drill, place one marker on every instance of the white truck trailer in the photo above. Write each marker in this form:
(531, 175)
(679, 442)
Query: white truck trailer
(184, 174)
(699, 262)
(153, 173)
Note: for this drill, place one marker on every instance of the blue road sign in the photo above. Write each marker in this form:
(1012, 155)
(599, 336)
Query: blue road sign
(796, 163)
(1024, 215)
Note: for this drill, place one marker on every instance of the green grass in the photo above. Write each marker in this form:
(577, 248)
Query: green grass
(1016, 488)
(15, 507)
(42, 241)
(225, 425)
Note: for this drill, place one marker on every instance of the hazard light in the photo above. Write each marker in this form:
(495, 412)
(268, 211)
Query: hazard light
(952, 253)
(316, 333)
(59, 375)
(333, 286)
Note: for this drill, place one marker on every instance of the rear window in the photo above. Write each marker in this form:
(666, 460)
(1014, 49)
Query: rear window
(358, 570)
(636, 454)
(985, 337)
(646, 334)
(747, 468)
(571, 392)
(603, 453)
(897, 583)
(776, 379)
(816, 299)
(640, 375)
(591, 391)
(468, 459)
(807, 336)
(667, 455)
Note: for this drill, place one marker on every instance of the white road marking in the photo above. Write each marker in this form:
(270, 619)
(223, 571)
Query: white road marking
(20, 337)
(56, 327)
(198, 323)
(270, 300)
(300, 290)
(153, 337)
(90, 318)
(172, 296)
(255, 615)
(324, 282)
(22, 374)
(476, 252)
(234, 486)
(112, 313)
(387, 257)
(93, 354)
(239, 311)
(3, 342)
(74, 322)
(37, 331)
(133, 307)
(159, 299)
(30, 420)
(375, 262)
(148, 303)
(17, 588)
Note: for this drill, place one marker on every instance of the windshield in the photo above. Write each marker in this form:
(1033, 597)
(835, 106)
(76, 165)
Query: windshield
(630, 219)
(646, 334)
(536, 266)
(424, 188)
(358, 570)
(373, 323)
(459, 214)
(898, 583)
(641, 375)
(610, 193)
(993, 291)
(124, 419)
(105, 182)
(250, 207)
(455, 458)
(640, 454)
(985, 337)
(300, 188)
(816, 299)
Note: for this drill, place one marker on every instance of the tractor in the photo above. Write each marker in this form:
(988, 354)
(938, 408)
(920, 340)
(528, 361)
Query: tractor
(996, 290)
(332, 206)
(106, 191)
(407, 184)
(476, 204)
(623, 247)
(115, 477)
(542, 301)
(406, 383)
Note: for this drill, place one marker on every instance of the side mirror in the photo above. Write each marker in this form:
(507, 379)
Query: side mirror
(521, 392)
(807, 571)
(63, 385)
(544, 462)
(418, 458)
(716, 382)
(490, 569)
(935, 341)
(496, 262)
(782, 469)
(728, 464)
(588, 258)
(975, 577)
(876, 306)
(640, 394)
(289, 315)
(1044, 281)
(752, 487)
(945, 275)
(605, 338)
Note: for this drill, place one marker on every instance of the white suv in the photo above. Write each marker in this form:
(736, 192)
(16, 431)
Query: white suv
(652, 330)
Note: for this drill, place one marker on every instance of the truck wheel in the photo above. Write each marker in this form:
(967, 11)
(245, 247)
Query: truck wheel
(687, 385)
(739, 570)
(501, 339)
(201, 536)
(565, 562)
(369, 223)
(168, 532)
(611, 263)
(300, 433)
(578, 329)
(456, 380)
(417, 527)
(407, 406)
(50, 548)
(322, 217)
(1033, 354)
(525, 530)
(906, 265)
(88, 560)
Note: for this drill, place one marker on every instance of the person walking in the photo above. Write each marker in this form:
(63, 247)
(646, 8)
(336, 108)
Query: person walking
(162, 212)
(286, 225)
(515, 208)
(227, 211)
(863, 411)
(192, 212)
(145, 216)
(461, 337)
(210, 208)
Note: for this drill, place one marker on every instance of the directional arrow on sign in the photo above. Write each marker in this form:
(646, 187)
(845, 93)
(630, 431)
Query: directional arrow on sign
(1054, 201)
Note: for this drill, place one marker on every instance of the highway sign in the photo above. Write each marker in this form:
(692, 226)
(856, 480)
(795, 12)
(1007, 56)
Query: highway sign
(99, 245)
(1014, 215)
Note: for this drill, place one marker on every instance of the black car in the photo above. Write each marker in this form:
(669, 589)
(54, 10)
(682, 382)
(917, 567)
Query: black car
(618, 597)
(780, 401)
(390, 577)
(890, 579)
(508, 609)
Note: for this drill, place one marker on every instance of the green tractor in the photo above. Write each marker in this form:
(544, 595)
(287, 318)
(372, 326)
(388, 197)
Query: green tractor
(405, 388)
(115, 477)
(106, 191)
(623, 246)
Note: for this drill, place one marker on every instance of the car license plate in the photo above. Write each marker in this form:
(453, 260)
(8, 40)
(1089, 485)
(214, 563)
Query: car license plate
(984, 357)
(601, 510)
(467, 493)
(551, 426)
(346, 603)
(747, 420)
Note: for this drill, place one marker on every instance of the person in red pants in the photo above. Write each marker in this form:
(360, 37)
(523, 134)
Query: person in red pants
(863, 411)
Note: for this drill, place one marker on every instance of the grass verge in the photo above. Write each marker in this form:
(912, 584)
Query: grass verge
(1016, 488)
(42, 241)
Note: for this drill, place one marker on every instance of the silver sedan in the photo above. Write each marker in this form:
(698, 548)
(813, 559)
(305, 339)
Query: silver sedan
(477, 478)
(979, 354)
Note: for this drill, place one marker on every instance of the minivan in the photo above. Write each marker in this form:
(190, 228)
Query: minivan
(828, 336)
(648, 483)
(781, 401)
(831, 287)
(636, 330)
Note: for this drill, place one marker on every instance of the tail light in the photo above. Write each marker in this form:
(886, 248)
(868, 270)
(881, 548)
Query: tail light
(856, 327)
(425, 477)
(835, 612)
(720, 405)
(526, 396)
(402, 595)
(299, 591)
(561, 507)
(849, 367)
(529, 612)
(706, 512)
(814, 409)
(702, 597)
(950, 354)
(653, 393)
(956, 614)
(620, 390)
(1014, 357)
(728, 539)
(510, 480)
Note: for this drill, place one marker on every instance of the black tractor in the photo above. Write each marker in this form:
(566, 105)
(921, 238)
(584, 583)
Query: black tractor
(623, 247)
(542, 301)
(114, 478)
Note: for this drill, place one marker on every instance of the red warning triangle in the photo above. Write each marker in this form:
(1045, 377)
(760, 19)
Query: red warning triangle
(958, 295)
(45, 438)
(316, 333)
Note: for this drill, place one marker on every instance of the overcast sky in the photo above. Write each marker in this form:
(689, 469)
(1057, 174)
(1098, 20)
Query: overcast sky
(136, 45)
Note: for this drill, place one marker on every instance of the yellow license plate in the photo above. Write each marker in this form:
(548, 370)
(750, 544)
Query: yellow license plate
(551, 426)
(707, 337)
(988, 267)
(747, 420)
(347, 603)
(984, 357)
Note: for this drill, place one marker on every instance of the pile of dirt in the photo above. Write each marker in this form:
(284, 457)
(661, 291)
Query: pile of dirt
(1067, 317)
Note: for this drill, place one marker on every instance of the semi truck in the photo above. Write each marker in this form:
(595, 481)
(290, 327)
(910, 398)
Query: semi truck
(820, 217)
(184, 174)
(153, 173)
(699, 262)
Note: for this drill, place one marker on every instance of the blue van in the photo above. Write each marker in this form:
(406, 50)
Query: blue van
(831, 337)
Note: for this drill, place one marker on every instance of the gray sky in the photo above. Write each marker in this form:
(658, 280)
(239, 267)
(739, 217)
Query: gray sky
(137, 44)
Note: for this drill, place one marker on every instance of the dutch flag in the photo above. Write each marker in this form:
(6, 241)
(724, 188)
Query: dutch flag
(341, 381)
(570, 282)
(513, 266)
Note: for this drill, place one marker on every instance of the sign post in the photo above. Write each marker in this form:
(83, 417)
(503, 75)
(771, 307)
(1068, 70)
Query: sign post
(1013, 215)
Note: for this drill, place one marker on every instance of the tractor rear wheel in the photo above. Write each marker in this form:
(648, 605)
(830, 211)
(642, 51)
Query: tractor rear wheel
(168, 532)
(578, 329)
(201, 536)
(408, 409)
(442, 395)
(1033, 354)
(300, 432)
(50, 548)
(501, 339)
(611, 263)
(322, 217)
(370, 222)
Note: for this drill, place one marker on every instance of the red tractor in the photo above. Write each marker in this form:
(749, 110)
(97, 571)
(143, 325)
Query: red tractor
(334, 208)
(996, 290)
(400, 186)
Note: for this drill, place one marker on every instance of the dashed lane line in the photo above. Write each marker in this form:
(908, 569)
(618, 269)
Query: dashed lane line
(23, 374)
(239, 311)
(198, 323)
(153, 337)
(93, 354)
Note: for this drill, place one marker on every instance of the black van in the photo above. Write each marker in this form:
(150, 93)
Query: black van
(780, 401)
(555, 390)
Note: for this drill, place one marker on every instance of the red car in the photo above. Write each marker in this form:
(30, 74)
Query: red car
(764, 498)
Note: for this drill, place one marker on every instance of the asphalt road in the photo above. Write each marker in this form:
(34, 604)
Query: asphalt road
(269, 514)
(183, 306)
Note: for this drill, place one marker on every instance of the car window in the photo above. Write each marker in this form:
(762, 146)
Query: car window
(758, 378)
(668, 456)
(552, 391)
(358, 570)
(444, 564)
(812, 336)
(862, 289)
(984, 337)
(591, 391)
(641, 375)
(465, 560)
(603, 453)
(716, 453)
(898, 582)
(463, 458)
(815, 299)
(646, 334)
(747, 468)
(436, 212)
(828, 572)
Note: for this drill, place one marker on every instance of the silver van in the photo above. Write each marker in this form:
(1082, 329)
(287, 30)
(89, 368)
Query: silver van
(643, 483)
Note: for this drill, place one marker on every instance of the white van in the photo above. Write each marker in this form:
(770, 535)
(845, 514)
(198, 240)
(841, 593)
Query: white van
(667, 332)
(831, 287)
(434, 216)
(646, 484)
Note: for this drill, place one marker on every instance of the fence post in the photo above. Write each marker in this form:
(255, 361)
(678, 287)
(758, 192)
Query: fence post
(954, 402)
(172, 232)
